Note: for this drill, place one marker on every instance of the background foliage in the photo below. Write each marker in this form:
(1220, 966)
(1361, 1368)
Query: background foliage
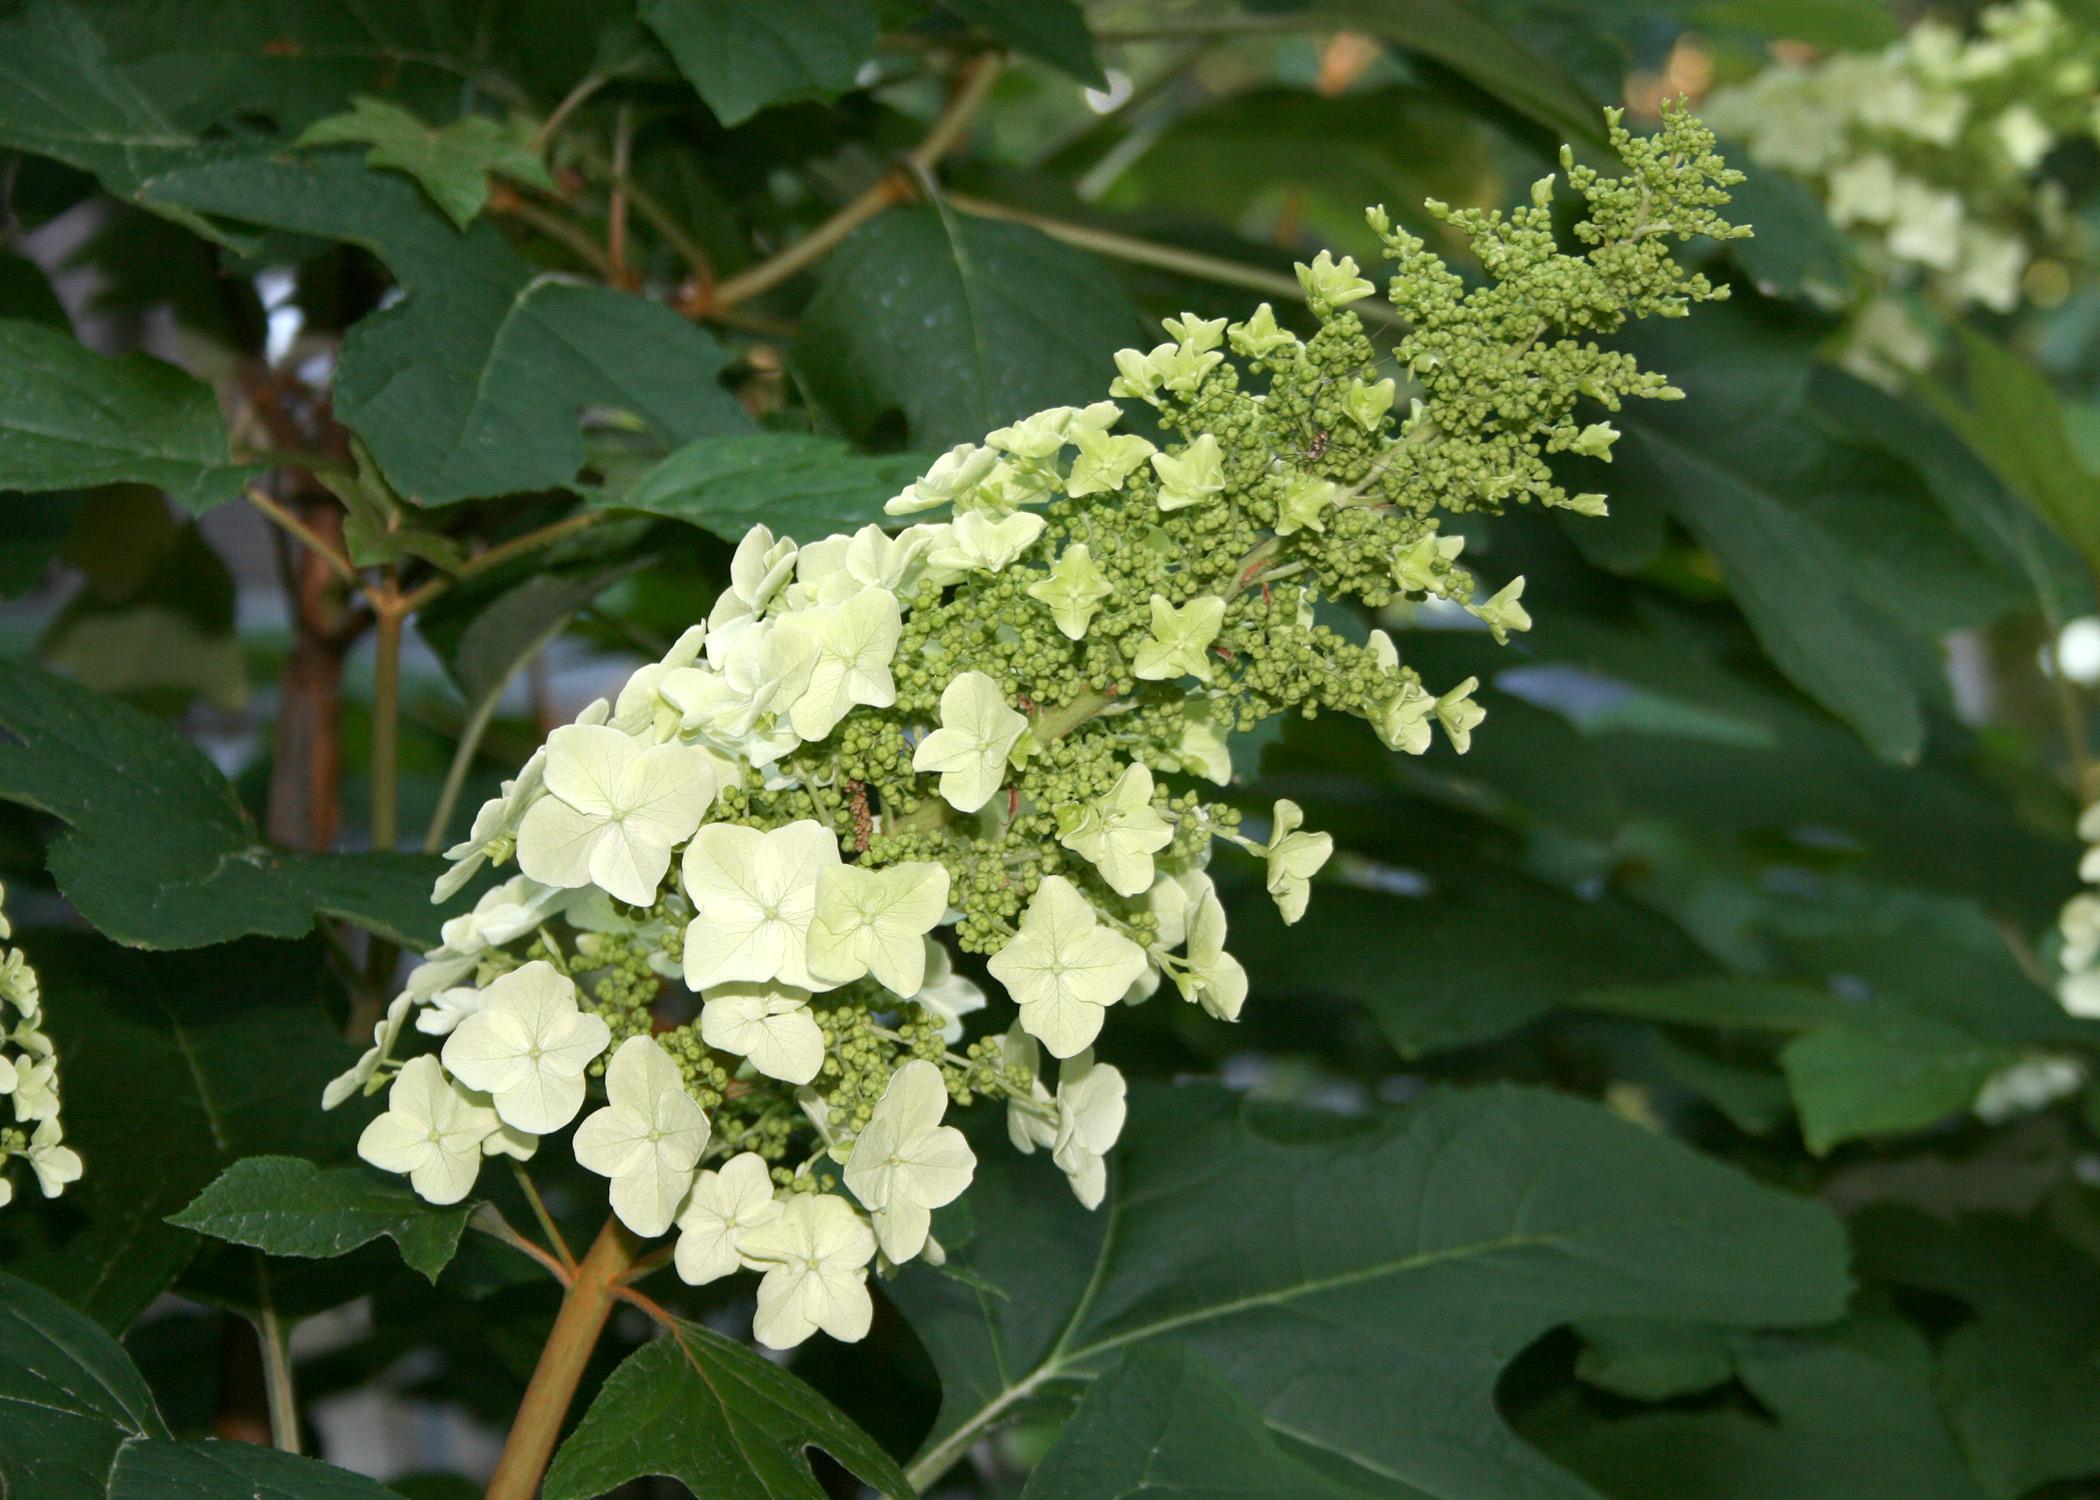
(1607, 1128)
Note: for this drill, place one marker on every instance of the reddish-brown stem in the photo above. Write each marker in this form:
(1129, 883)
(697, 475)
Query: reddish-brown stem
(584, 1308)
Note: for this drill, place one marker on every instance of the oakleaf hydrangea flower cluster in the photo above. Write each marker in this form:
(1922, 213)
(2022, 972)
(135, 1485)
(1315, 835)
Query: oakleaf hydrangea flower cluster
(29, 1080)
(1928, 153)
(746, 885)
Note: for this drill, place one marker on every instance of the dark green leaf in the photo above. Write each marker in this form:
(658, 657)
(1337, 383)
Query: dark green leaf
(452, 162)
(174, 1066)
(1163, 1421)
(742, 55)
(719, 1418)
(377, 527)
(1751, 1004)
(160, 853)
(212, 1470)
(476, 382)
(1797, 251)
(161, 642)
(1391, 954)
(25, 292)
(1053, 30)
(962, 324)
(1361, 1281)
(1887, 1070)
(1823, 543)
(800, 486)
(1646, 1361)
(70, 1401)
(1291, 157)
(1852, 1415)
(2014, 420)
(285, 1205)
(77, 1423)
(2017, 1381)
(71, 418)
(62, 97)
(1754, 1098)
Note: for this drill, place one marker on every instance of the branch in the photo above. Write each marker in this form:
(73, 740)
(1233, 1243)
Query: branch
(307, 536)
(1152, 253)
(497, 556)
(893, 187)
(584, 1309)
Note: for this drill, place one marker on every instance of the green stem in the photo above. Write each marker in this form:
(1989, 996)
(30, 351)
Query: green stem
(277, 1366)
(531, 1190)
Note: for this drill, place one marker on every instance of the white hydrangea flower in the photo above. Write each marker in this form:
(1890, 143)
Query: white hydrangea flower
(1191, 477)
(1331, 283)
(54, 1163)
(760, 569)
(641, 709)
(815, 1255)
(1090, 1113)
(615, 810)
(431, 1131)
(954, 474)
(1119, 833)
(1031, 1122)
(724, 1206)
(1259, 337)
(1428, 567)
(1179, 644)
(1202, 749)
(1064, 969)
(1208, 974)
(738, 706)
(2027, 1086)
(385, 1031)
(980, 543)
(1460, 715)
(1105, 462)
(527, 1048)
(494, 824)
(1306, 504)
(1074, 590)
(978, 731)
(871, 921)
(877, 560)
(1367, 404)
(1294, 857)
(768, 1023)
(1502, 613)
(854, 644)
(1034, 437)
(754, 894)
(647, 1138)
(906, 1163)
(945, 994)
(1177, 369)
(32, 1084)
(447, 1008)
(1926, 225)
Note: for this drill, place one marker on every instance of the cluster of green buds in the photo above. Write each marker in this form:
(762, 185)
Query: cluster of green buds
(747, 884)
(29, 1080)
(1928, 154)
